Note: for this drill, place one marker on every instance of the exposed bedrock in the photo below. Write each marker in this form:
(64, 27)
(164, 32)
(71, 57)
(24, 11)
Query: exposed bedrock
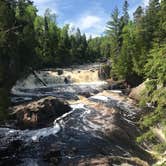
(40, 113)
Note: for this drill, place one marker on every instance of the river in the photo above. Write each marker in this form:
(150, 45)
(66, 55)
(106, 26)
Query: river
(99, 130)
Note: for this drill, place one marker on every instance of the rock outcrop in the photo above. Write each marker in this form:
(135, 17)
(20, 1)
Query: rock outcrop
(107, 161)
(39, 113)
(137, 92)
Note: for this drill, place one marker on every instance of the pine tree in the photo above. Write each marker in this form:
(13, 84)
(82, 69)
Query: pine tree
(125, 12)
(151, 22)
(162, 24)
(8, 53)
(114, 32)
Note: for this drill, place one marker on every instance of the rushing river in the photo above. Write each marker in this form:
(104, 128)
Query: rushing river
(100, 125)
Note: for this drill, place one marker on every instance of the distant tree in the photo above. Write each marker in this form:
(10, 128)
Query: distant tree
(105, 47)
(64, 47)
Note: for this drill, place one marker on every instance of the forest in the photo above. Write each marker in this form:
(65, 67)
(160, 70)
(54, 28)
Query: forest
(136, 48)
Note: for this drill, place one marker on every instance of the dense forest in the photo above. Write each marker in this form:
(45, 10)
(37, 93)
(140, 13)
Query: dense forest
(138, 53)
(135, 46)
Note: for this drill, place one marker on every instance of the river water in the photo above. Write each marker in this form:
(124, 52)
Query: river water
(101, 124)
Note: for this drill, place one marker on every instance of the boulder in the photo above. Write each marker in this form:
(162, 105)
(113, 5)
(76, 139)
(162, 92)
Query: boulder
(59, 71)
(85, 94)
(53, 155)
(41, 113)
(136, 92)
(118, 134)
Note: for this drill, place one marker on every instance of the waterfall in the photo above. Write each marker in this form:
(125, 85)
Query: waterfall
(52, 78)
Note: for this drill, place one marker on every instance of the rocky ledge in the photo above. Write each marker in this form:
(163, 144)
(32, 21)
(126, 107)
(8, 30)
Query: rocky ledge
(40, 113)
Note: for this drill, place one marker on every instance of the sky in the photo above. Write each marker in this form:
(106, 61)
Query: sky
(90, 16)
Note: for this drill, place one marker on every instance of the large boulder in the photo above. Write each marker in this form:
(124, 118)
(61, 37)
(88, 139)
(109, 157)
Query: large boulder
(136, 93)
(41, 113)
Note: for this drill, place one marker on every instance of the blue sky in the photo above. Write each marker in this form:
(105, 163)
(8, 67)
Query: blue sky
(89, 15)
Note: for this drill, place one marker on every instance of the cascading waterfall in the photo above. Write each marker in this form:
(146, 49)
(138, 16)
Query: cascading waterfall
(53, 78)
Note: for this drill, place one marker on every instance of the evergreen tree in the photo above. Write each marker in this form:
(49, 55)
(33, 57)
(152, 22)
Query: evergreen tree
(8, 53)
(114, 31)
(151, 22)
(25, 15)
(125, 12)
(162, 24)
(64, 47)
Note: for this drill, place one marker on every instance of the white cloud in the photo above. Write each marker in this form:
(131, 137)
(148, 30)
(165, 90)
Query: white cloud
(42, 5)
(91, 21)
(89, 24)
(92, 35)
(145, 2)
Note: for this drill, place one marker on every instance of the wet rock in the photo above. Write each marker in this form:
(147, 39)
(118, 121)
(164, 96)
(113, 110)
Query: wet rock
(117, 134)
(59, 71)
(9, 150)
(53, 156)
(39, 113)
(105, 161)
(85, 94)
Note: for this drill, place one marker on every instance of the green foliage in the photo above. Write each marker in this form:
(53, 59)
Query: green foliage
(160, 147)
(131, 41)
(125, 13)
(155, 92)
(147, 137)
(124, 63)
(114, 30)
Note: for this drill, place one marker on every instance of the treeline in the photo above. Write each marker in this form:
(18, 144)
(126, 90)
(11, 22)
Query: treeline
(29, 41)
(138, 52)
